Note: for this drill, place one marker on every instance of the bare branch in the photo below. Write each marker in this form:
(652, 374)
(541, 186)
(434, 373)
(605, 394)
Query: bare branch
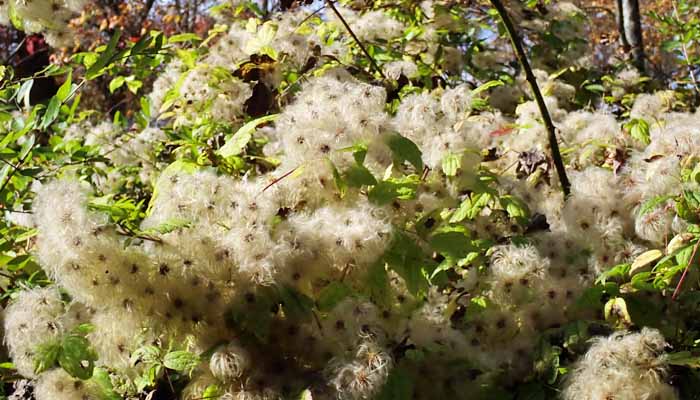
(359, 43)
(522, 59)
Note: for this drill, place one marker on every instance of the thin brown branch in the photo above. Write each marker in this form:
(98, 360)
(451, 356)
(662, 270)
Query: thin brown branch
(677, 291)
(21, 162)
(274, 182)
(15, 51)
(686, 58)
(522, 59)
(357, 40)
(126, 231)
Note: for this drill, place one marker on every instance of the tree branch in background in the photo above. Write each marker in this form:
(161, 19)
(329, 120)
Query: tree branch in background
(147, 10)
(632, 30)
(359, 43)
(621, 27)
(14, 52)
(522, 59)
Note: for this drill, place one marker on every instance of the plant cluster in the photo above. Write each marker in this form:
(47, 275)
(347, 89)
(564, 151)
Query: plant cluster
(339, 205)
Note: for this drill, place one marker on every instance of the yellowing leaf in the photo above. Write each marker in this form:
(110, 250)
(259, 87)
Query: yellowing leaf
(616, 312)
(678, 242)
(645, 259)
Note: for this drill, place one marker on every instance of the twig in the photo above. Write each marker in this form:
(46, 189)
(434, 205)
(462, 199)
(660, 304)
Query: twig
(684, 50)
(15, 51)
(11, 174)
(29, 57)
(522, 58)
(8, 163)
(274, 182)
(676, 292)
(8, 276)
(308, 17)
(359, 43)
(129, 232)
(167, 376)
(424, 174)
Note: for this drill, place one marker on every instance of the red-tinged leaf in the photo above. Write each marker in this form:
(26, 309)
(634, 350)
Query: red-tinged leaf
(502, 131)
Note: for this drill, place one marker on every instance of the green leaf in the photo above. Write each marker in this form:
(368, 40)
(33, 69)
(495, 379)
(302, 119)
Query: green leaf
(618, 272)
(188, 57)
(683, 358)
(142, 44)
(296, 305)
(476, 306)
(116, 83)
(384, 192)
(670, 45)
(399, 385)
(516, 208)
(652, 203)
(73, 108)
(471, 206)
(683, 254)
(102, 380)
(688, 206)
(51, 112)
(83, 329)
(77, 357)
(404, 149)
(376, 284)
(255, 317)
(452, 242)
(408, 260)
(148, 378)
(240, 139)
(133, 85)
(148, 354)
(639, 129)
(331, 295)
(595, 87)
(181, 360)
(170, 225)
(184, 37)
(340, 183)
(486, 86)
(14, 18)
(212, 392)
(46, 356)
(358, 175)
(105, 58)
(172, 95)
(145, 106)
(65, 89)
(451, 164)
(547, 362)
(23, 93)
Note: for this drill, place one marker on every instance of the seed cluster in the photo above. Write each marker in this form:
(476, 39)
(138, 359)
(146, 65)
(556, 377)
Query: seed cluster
(235, 280)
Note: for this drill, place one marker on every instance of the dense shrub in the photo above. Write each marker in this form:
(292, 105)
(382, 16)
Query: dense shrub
(278, 215)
